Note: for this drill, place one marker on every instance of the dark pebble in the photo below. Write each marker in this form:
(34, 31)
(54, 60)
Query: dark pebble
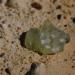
(7, 71)
(73, 20)
(36, 5)
(59, 16)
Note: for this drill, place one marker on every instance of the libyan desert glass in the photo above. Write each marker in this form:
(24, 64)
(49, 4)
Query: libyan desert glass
(47, 39)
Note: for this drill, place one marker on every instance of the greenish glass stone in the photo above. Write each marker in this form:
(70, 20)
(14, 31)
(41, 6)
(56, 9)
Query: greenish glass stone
(47, 39)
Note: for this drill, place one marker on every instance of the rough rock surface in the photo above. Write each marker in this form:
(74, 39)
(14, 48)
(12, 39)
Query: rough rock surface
(18, 16)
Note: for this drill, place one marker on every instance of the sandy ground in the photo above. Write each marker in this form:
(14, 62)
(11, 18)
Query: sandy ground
(18, 16)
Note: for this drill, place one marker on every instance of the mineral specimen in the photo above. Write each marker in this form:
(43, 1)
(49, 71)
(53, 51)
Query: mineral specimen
(47, 39)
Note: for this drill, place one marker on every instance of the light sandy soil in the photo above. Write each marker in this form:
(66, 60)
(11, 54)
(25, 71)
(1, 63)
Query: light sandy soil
(18, 16)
